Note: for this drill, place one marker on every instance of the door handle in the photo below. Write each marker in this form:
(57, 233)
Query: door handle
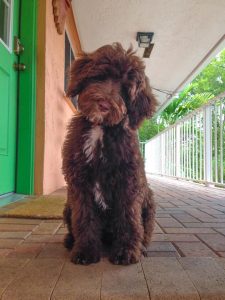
(19, 67)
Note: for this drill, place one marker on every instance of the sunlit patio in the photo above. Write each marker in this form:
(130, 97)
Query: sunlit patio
(186, 259)
(185, 162)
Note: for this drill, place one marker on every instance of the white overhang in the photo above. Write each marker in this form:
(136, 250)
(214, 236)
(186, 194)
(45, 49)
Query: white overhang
(187, 34)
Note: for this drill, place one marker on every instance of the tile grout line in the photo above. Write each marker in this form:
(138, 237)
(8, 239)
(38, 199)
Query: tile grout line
(214, 251)
(178, 249)
(208, 213)
(160, 227)
(57, 280)
(187, 273)
(223, 234)
(149, 293)
(189, 213)
(57, 228)
(183, 226)
(17, 277)
(188, 222)
(43, 245)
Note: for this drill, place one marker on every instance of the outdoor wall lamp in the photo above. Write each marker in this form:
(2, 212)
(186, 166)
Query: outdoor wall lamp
(144, 39)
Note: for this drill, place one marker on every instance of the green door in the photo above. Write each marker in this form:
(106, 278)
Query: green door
(9, 26)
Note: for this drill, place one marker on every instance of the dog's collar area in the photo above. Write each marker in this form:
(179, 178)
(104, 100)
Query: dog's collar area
(122, 122)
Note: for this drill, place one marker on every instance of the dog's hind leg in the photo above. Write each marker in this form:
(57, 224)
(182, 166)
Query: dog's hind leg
(148, 217)
(69, 239)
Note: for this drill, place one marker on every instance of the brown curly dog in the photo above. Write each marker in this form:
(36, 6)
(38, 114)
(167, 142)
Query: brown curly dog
(109, 200)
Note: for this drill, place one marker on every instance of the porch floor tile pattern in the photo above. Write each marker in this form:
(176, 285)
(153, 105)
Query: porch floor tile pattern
(186, 259)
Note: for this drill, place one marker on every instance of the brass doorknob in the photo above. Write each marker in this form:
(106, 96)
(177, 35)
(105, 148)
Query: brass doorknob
(19, 67)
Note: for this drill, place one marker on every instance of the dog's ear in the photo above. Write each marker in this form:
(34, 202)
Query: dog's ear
(78, 75)
(143, 105)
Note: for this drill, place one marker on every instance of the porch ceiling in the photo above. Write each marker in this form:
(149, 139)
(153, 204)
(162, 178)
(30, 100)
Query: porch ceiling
(187, 34)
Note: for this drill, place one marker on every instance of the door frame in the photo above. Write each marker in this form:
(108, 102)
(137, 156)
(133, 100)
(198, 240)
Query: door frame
(27, 99)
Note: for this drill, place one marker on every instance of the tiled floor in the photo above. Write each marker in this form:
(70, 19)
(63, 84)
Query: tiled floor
(190, 218)
(184, 261)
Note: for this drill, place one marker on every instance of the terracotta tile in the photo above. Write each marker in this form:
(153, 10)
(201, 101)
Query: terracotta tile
(221, 262)
(54, 221)
(161, 247)
(220, 230)
(194, 249)
(215, 241)
(200, 215)
(166, 205)
(14, 235)
(121, 282)
(166, 279)
(16, 227)
(26, 250)
(20, 221)
(79, 282)
(172, 237)
(157, 229)
(4, 252)
(189, 230)
(10, 269)
(47, 228)
(57, 238)
(54, 251)
(162, 215)
(211, 211)
(62, 230)
(162, 254)
(9, 243)
(204, 225)
(207, 275)
(185, 218)
(38, 238)
(158, 237)
(221, 254)
(168, 222)
(35, 281)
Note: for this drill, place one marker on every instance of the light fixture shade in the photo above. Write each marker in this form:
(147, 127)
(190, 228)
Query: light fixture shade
(144, 39)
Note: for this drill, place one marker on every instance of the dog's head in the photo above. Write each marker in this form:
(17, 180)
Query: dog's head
(111, 85)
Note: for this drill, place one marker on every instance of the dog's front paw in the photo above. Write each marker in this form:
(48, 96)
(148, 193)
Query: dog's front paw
(85, 256)
(125, 256)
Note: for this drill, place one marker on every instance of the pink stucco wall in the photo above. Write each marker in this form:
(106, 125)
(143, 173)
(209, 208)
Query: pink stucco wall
(57, 112)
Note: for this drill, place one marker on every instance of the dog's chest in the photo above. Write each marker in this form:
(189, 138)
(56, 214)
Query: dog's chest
(103, 150)
(106, 146)
(93, 141)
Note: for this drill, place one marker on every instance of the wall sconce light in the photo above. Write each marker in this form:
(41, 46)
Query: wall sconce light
(144, 39)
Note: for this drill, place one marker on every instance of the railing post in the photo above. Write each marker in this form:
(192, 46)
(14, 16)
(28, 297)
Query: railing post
(162, 153)
(207, 144)
(178, 150)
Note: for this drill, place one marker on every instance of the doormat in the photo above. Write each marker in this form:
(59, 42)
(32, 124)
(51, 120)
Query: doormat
(43, 207)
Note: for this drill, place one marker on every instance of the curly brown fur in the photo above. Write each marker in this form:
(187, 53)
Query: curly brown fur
(108, 196)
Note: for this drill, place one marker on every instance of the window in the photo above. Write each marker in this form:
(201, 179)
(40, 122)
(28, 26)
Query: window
(5, 21)
(69, 57)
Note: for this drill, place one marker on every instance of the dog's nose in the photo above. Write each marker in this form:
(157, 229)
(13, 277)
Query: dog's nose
(104, 106)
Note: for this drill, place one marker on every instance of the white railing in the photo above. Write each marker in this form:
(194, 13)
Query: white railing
(193, 148)
(142, 148)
